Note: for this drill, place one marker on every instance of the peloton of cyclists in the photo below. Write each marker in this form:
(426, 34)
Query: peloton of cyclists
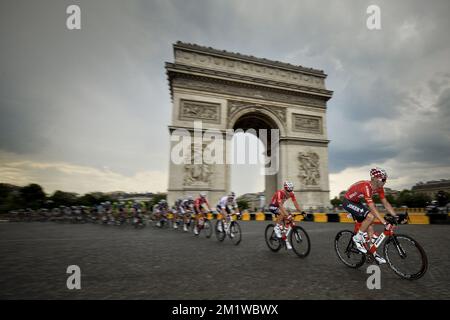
(366, 213)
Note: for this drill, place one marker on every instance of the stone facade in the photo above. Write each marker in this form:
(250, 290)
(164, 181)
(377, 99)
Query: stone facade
(221, 88)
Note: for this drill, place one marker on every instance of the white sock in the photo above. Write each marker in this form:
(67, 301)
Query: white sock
(360, 235)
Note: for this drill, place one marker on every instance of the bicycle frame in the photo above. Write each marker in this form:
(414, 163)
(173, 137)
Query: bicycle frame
(372, 248)
(228, 219)
(201, 216)
(288, 224)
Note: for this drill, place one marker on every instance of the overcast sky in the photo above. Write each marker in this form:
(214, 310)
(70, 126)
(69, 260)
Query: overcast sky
(88, 110)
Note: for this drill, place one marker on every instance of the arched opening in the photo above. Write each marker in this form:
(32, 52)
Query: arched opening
(248, 177)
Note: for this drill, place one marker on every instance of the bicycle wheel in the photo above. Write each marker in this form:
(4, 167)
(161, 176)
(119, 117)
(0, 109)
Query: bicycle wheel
(347, 251)
(207, 228)
(272, 241)
(405, 257)
(235, 233)
(299, 240)
(220, 235)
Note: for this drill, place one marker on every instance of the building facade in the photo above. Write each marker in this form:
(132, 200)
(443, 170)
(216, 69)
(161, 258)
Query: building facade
(432, 187)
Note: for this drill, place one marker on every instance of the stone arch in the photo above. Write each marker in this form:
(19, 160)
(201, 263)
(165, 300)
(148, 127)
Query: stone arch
(271, 117)
(254, 117)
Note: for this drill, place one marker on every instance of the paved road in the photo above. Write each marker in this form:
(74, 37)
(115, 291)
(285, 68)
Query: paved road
(165, 264)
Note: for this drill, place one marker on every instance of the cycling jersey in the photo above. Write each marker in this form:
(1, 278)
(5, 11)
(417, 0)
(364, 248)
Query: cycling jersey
(281, 196)
(162, 207)
(177, 207)
(186, 205)
(199, 202)
(363, 189)
(224, 202)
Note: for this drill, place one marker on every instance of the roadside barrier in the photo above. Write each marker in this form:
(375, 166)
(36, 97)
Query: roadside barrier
(418, 216)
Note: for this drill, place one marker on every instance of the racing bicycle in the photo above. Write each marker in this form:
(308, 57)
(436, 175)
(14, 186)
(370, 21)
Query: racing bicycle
(230, 228)
(404, 255)
(296, 235)
(204, 226)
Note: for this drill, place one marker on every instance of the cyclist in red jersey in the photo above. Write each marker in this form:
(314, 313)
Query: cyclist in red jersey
(277, 207)
(367, 212)
(201, 206)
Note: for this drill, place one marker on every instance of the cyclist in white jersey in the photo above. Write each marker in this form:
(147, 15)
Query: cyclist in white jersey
(226, 206)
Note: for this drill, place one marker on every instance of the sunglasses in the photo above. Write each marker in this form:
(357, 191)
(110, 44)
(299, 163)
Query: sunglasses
(383, 180)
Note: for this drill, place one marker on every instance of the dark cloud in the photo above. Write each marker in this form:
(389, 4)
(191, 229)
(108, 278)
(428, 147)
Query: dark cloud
(429, 139)
(20, 131)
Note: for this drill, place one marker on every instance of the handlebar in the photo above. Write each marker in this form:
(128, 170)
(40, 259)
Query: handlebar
(291, 215)
(401, 218)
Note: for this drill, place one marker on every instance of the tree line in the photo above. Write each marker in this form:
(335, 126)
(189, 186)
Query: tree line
(33, 196)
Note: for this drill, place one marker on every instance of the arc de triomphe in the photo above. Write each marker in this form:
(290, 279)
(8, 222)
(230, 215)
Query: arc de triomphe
(228, 90)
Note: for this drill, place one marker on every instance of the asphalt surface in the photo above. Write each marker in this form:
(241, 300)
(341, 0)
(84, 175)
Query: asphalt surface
(150, 263)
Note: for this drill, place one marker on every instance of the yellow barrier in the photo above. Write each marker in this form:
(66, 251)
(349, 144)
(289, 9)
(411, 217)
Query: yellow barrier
(260, 216)
(246, 217)
(299, 217)
(419, 219)
(219, 216)
(170, 216)
(320, 217)
(210, 216)
(344, 218)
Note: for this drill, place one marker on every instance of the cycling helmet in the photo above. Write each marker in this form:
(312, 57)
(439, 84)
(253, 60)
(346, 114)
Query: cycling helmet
(232, 195)
(378, 173)
(190, 198)
(202, 195)
(288, 186)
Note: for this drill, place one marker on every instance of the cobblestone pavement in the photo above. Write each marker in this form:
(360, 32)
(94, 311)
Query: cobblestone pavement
(150, 263)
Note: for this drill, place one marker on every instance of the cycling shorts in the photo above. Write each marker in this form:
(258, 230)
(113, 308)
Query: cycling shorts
(274, 209)
(359, 211)
(227, 209)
